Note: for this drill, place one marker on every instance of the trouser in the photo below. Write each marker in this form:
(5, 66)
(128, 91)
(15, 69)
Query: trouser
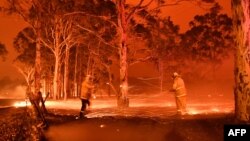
(85, 102)
(181, 105)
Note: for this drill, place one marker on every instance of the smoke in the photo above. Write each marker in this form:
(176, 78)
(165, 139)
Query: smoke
(17, 93)
(12, 88)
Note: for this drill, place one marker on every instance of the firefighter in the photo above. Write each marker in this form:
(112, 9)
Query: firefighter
(85, 95)
(180, 93)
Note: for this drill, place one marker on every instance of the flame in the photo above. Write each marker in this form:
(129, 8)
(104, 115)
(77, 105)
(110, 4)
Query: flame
(21, 104)
(198, 110)
(193, 112)
(215, 110)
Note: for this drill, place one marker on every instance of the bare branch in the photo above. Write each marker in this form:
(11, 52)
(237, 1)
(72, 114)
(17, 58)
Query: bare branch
(140, 60)
(47, 45)
(19, 12)
(26, 71)
(93, 33)
(177, 2)
(28, 37)
(105, 18)
(134, 10)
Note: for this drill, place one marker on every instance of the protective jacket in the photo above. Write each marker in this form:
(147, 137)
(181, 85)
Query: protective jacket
(179, 87)
(86, 90)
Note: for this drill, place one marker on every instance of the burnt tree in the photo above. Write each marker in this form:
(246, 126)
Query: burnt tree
(241, 22)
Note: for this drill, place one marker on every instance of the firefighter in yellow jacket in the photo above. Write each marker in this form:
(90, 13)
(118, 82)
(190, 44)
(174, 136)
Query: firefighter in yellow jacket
(180, 93)
(85, 95)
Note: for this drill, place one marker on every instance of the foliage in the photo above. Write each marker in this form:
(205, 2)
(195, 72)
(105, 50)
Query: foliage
(3, 51)
(161, 37)
(210, 38)
(24, 44)
(208, 42)
(92, 27)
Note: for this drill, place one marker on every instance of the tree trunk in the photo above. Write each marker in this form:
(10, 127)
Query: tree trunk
(61, 84)
(66, 72)
(75, 75)
(161, 70)
(122, 25)
(38, 60)
(241, 22)
(57, 53)
(44, 86)
(111, 86)
(80, 78)
(88, 71)
(123, 70)
(35, 97)
(55, 79)
(110, 82)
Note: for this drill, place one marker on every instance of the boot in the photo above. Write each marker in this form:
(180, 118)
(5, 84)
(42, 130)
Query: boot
(81, 115)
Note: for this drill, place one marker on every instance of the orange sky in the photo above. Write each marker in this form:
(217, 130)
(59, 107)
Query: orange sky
(10, 25)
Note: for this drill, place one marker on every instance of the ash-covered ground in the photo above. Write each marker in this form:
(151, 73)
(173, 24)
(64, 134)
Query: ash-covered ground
(148, 118)
(122, 128)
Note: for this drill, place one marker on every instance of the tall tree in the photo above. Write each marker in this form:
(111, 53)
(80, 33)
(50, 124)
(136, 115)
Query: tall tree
(125, 13)
(241, 23)
(24, 44)
(58, 38)
(37, 26)
(209, 39)
(98, 26)
(31, 12)
(69, 43)
(163, 41)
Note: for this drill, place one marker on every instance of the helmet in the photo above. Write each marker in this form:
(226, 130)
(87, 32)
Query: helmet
(175, 74)
(87, 77)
